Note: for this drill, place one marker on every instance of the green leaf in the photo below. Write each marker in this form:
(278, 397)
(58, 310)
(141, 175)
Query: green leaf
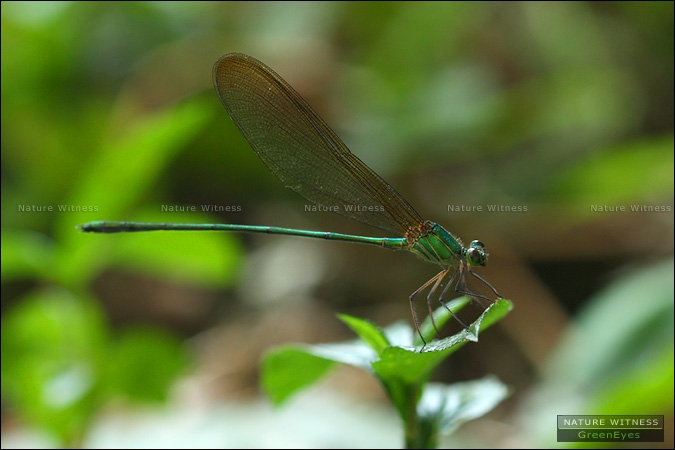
(450, 406)
(288, 369)
(59, 363)
(144, 363)
(367, 331)
(618, 356)
(26, 255)
(639, 307)
(53, 346)
(403, 370)
(441, 316)
(118, 175)
(643, 388)
(403, 373)
(489, 317)
(406, 365)
(204, 259)
(628, 173)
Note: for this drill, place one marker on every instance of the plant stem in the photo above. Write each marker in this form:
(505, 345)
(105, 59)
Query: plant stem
(419, 431)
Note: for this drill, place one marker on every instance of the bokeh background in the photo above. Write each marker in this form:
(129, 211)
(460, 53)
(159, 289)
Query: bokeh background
(561, 112)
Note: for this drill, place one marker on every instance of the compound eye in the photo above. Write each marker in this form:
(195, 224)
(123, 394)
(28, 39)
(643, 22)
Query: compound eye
(476, 255)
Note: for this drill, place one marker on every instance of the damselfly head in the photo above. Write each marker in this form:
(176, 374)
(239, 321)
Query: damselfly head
(476, 254)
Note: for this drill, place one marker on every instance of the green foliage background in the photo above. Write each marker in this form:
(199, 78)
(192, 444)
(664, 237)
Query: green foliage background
(562, 110)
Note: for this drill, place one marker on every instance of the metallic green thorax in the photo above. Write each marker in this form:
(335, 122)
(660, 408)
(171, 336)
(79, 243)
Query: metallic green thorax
(434, 243)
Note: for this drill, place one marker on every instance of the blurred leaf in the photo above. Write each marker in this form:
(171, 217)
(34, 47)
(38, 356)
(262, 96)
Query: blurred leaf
(281, 377)
(622, 324)
(438, 27)
(128, 165)
(367, 331)
(26, 255)
(117, 176)
(642, 389)
(629, 172)
(617, 356)
(59, 364)
(284, 369)
(208, 259)
(400, 334)
(446, 407)
(52, 349)
(144, 363)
